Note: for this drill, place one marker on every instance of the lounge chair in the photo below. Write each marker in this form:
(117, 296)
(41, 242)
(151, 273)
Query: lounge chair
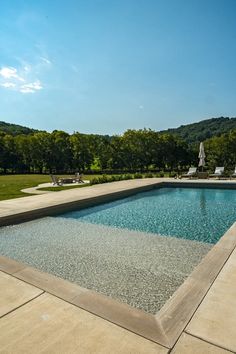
(233, 174)
(78, 178)
(56, 181)
(192, 172)
(219, 171)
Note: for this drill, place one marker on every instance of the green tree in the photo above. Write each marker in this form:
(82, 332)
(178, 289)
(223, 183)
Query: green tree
(11, 159)
(81, 151)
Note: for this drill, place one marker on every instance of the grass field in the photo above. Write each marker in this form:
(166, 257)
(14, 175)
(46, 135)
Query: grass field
(11, 185)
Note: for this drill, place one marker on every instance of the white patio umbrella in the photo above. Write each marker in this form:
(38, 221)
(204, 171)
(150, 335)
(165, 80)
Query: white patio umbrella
(201, 155)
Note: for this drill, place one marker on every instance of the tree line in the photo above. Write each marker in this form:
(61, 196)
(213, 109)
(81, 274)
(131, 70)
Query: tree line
(135, 150)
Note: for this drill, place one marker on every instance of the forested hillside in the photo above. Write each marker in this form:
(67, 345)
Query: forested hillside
(15, 129)
(134, 150)
(203, 130)
(191, 133)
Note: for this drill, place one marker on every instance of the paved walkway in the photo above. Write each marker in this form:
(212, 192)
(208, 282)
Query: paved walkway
(36, 321)
(36, 190)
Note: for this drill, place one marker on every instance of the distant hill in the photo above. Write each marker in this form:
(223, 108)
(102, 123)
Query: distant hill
(191, 133)
(204, 129)
(14, 129)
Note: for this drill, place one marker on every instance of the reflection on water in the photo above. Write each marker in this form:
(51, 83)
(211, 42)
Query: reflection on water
(203, 201)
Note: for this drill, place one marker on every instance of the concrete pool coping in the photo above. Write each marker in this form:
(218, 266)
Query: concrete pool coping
(167, 325)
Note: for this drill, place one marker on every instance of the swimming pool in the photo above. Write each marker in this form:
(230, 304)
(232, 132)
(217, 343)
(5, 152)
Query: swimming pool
(138, 250)
(190, 213)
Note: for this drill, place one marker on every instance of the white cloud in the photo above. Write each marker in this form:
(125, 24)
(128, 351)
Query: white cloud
(10, 73)
(26, 90)
(8, 84)
(31, 87)
(45, 60)
(27, 68)
(23, 79)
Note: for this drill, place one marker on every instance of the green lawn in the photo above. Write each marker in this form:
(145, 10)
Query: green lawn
(11, 185)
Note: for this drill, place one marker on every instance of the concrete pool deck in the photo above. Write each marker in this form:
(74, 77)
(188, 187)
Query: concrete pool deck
(40, 310)
(30, 207)
(36, 190)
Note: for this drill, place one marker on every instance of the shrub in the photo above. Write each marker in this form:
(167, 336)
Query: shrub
(112, 178)
(160, 174)
(148, 175)
(106, 178)
(94, 180)
(103, 179)
(138, 175)
(173, 174)
(127, 176)
(118, 178)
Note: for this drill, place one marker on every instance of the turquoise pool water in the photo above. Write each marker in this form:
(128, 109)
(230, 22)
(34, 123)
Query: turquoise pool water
(196, 214)
(118, 248)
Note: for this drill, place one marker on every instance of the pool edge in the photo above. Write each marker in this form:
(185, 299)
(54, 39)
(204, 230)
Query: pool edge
(163, 328)
(74, 201)
(167, 325)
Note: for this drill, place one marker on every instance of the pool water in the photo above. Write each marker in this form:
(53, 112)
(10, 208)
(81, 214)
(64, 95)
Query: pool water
(190, 213)
(137, 250)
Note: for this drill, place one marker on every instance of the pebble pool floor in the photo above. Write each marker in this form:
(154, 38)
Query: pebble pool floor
(118, 249)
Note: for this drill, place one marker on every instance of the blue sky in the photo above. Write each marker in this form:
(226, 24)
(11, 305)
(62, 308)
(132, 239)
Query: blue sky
(103, 66)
